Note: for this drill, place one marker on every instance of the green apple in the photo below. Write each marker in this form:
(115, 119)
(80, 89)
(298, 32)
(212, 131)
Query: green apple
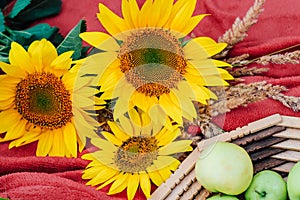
(224, 167)
(293, 182)
(267, 185)
(222, 197)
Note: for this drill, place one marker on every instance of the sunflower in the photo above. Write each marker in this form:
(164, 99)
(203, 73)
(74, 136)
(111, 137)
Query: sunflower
(134, 154)
(149, 62)
(40, 102)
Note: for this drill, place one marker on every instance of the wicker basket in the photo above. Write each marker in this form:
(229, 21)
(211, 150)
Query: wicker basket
(272, 143)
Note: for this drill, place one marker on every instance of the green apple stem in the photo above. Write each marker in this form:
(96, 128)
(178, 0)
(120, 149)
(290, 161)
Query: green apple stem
(262, 194)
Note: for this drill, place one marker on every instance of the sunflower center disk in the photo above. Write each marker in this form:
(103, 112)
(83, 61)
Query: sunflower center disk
(136, 154)
(43, 100)
(152, 60)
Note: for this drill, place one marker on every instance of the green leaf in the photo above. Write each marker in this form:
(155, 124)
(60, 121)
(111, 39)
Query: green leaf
(5, 40)
(4, 59)
(2, 22)
(37, 9)
(84, 51)
(18, 7)
(56, 39)
(72, 42)
(20, 37)
(42, 30)
(2, 3)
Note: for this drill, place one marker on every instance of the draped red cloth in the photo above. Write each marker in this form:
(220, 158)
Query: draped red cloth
(25, 176)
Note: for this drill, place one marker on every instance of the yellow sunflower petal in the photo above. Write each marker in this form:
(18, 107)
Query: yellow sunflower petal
(109, 79)
(175, 165)
(145, 14)
(135, 117)
(126, 12)
(158, 116)
(14, 71)
(148, 126)
(135, 12)
(19, 57)
(7, 104)
(16, 131)
(210, 46)
(102, 176)
(155, 177)
(92, 171)
(142, 101)
(209, 80)
(145, 184)
(145, 119)
(225, 75)
(166, 7)
(44, 144)
(172, 110)
(119, 185)
(7, 93)
(113, 68)
(175, 9)
(9, 79)
(211, 94)
(200, 94)
(100, 40)
(62, 63)
(201, 71)
(127, 126)
(215, 80)
(70, 139)
(165, 173)
(192, 23)
(99, 102)
(194, 51)
(81, 144)
(82, 101)
(88, 156)
(111, 22)
(106, 157)
(8, 118)
(133, 183)
(42, 54)
(183, 15)
(220, 63)
(167, 137)
(120, 134)
(29, 137)
(111, 138)
(84, 124)
(103, 144)
(186, 105)
(161, 164)
(172, 162)
(94, 163)
(97, 63)
(155, 13)
(57, 143)
(162, 132)
(175, 147)
(121, 107)
(110, 181)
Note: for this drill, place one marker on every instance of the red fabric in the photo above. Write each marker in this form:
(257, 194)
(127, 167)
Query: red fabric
(24, 176)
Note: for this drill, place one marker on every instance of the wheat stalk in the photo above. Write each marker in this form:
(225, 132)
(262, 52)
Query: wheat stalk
(246, 71)
(289, 57)
(243, 94)
(288, 101)
(239, 29)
